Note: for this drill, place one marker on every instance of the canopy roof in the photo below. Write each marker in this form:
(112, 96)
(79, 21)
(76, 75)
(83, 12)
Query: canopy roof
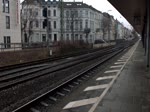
(132, 10)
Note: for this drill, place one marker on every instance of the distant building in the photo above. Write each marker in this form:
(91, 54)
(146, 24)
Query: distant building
(120, 31)
(108, 26)
(10, 30)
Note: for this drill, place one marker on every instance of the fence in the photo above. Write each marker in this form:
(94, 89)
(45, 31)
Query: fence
(20, 46)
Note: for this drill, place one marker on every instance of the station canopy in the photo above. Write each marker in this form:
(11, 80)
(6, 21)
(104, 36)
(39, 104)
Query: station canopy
(133, 11)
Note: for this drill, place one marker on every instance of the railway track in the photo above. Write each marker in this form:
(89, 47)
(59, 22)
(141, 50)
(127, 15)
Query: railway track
(10, 79)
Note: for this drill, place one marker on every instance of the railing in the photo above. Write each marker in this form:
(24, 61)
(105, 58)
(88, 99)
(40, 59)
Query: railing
(21, 46)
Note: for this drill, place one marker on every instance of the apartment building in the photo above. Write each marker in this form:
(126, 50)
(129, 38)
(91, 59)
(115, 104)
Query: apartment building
(9, 23)
(77, 17)
(80, 17)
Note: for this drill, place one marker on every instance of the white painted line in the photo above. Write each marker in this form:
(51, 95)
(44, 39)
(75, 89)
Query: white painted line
(80, 103)
(104, 78)
(118, 66)
(44, 104)
(92, 109)
(111, 71)
(96, 87)
(123, 58)
(117, 63)
(34, 110)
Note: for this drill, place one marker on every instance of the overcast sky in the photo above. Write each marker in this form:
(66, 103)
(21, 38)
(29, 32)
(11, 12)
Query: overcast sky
(105, 6)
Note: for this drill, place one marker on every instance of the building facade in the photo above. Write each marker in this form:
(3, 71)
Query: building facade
(10, 30)
(77, 17)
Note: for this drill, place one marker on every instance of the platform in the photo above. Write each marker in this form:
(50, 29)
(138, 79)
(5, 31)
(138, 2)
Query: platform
(131, 91)
(123, 87)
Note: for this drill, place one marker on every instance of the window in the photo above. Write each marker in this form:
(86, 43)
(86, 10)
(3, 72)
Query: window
(36, 12)
(43, 37)
(81, 37)
(86, 23)
(76, 13)
(37, 24)
(67, 13)
(49, 25)
(81, 13)
(49, 13)
(67, 36)
(7, 42)
(67, 25)
(25, 38)
(5, 5)
(50, 37)
(25, 11)
(54, 12)
(54, 24)
(76, 36)
(7, 22)
(86, 13)
(81, 25)
(55, 37)
(76, 25)
(30, 11)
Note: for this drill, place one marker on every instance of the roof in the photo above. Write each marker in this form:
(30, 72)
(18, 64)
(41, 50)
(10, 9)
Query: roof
(65, 4)
(132, 10)
(79, 5)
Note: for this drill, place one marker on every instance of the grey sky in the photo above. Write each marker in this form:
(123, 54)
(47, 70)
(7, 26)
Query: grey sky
(105, 6)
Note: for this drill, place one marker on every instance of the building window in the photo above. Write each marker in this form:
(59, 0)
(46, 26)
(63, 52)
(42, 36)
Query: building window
(67, 13)
(76, 36)
(37, 24)
(25, 38)
(50, 37)
(54, 24)
(54, 12)
(67, 36)
(5, 5)
(86, 13)
(81, 37)
(36, 12)
(81, 27)
(76, 13)
(49, 25)
(30, 11)
(43, 37)
(55, 37)
(7, 42)
(86, 23)
(49, 13)
(81, 13)
(76, 25)
(7, 22)
(67, 25)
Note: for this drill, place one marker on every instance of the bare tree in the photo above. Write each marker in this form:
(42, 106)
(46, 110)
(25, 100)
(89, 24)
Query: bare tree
(29, 15)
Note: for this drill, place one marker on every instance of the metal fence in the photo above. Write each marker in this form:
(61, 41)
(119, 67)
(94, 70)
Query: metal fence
(20, 46)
